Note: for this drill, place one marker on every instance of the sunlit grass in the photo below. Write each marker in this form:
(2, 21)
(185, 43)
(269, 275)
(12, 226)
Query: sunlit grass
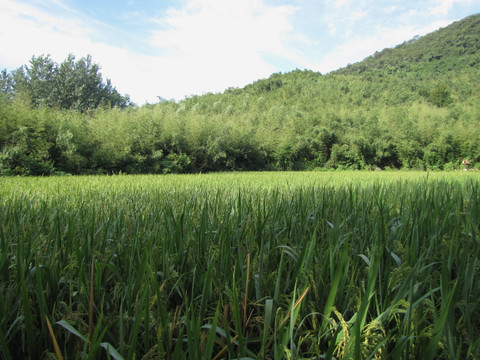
(261, 265)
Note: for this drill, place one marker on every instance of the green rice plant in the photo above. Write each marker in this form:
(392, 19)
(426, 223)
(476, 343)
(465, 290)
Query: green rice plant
(214, 266)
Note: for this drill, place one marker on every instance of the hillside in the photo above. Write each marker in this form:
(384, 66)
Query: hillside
(454, 48)
(414, 106)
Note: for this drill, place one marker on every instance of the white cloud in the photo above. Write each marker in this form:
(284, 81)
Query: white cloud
(442, 7)
(25, 29)
(357, 15)
(338, 4)
(210, 44)
(343, 15)
(390, 9)
(222, 42)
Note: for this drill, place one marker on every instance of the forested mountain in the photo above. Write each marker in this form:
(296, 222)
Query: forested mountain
(413, 106)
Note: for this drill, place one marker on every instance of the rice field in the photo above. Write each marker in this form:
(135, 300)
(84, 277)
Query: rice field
(308, 265)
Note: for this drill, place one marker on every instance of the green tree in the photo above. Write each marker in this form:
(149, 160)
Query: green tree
(71, 85)
(26, 146)
(440, 95)
(37, 80)
(79, 85)
(6, 84)
(321, 145)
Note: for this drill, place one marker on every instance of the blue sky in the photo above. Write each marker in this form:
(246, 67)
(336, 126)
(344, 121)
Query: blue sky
(177, 48)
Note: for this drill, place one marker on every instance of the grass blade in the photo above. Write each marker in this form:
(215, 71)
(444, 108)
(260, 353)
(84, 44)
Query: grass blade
(211, 336)
(55, 344)
(4, 346)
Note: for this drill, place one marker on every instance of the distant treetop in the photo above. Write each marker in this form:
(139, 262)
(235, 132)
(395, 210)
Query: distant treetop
(70, 85)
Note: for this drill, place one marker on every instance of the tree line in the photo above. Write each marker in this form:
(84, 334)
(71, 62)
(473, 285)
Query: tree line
(309, 122)
(58, 119)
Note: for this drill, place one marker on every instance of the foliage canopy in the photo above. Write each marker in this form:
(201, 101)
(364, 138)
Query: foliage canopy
(71, 85)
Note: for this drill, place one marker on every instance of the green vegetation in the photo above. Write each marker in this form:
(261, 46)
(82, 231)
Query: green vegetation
(349, 265)
(70, 85)
(324, 265)
(415, 106)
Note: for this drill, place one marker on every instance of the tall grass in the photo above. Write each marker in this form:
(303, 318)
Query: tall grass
(254, 265)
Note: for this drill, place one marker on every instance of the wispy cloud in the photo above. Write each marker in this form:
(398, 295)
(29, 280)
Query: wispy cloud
(226, 39)
(25, 28)
(442, 7)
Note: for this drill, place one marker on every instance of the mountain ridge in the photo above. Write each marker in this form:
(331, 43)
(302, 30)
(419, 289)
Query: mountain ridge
(459, 39)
